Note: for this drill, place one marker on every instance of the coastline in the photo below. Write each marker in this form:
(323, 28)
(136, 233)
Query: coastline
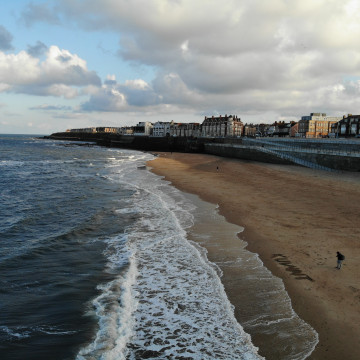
(295, 219)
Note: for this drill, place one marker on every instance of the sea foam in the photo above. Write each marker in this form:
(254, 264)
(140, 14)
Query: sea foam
(170, 302)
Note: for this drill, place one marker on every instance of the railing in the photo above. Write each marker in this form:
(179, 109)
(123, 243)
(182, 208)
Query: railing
(295, 159)
(279, 152)
(281, 145)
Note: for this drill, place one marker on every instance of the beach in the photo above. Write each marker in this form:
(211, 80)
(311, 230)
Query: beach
(296, 219)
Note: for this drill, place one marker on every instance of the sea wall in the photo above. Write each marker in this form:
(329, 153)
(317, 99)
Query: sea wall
(334, 161)
(143, 143)
(331, 154)
(244, 153)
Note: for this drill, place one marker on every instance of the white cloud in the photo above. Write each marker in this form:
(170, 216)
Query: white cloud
(106, 99)
(237, 56)
(60, 74)
(18, 69)
(62, 67)
(61, 90)
(137, 84)
(113, 96)
(234, 53)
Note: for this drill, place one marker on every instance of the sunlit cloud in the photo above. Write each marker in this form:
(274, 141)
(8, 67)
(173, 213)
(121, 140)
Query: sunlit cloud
(58, 75)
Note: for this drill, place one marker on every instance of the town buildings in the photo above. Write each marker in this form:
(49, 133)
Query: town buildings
(186, 129)
(83, 130)
(316, 125)
(250, 130)
(348, 126)
(222, 126)
(294, 130)
(143, 128)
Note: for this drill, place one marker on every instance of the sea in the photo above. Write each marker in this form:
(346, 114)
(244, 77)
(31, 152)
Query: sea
(102, 259)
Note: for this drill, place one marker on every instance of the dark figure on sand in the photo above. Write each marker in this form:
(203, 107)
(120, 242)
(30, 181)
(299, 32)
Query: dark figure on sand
(340, 258)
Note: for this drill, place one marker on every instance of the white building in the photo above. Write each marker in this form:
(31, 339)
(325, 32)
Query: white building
(143, 128)
(161, 129)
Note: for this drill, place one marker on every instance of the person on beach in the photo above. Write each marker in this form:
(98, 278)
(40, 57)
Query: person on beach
(340, 258)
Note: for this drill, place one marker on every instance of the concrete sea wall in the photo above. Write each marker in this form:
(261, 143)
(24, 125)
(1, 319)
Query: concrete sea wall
(244, 153)
(326, 154)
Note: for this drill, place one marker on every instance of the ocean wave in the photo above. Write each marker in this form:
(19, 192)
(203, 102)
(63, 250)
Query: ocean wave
(11, 163)
(23, 332)
(114, 309)
(170, 301)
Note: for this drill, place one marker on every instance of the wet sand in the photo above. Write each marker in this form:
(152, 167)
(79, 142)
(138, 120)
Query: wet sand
(295, 219)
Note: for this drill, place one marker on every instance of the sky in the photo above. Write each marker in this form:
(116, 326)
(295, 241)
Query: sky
(81, 63)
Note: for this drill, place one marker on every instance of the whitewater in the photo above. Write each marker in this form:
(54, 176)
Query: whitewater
(100, 246)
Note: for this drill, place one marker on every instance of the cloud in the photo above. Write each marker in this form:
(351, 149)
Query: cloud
(113, 96)
(37, 50)
(39, 13)
(173, 90)
(60, 74)
(5, 39)
(240, 55)
(107, 99)
(139, 93)
(63, 67)
(46, 107)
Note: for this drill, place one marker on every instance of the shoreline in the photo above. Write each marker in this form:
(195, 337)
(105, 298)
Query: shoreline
(291, 216)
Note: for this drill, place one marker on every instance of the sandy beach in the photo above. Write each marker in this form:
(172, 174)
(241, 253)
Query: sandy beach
(296, 219)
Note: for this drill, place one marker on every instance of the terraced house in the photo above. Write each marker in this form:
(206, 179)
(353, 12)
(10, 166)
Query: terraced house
(348, 126)
(222, 126)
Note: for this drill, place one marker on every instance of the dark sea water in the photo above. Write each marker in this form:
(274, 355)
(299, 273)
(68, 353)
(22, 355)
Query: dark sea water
(96, 263)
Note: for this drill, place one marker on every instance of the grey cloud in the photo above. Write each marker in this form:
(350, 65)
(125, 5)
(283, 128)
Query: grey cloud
(51, 107)
(75, 75)
(62, 67)
(110, 82)
(64, 58)
(173, 90)
(105, 51)
(120, 97)
(5, 39)
(105, 100)
(57, 90)
(39, 13)
(140, 97)
(237, 54)
(37, 50)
